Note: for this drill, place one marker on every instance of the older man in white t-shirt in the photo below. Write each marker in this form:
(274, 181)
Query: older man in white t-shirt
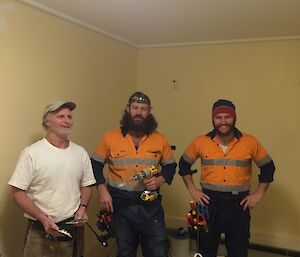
(51, 183)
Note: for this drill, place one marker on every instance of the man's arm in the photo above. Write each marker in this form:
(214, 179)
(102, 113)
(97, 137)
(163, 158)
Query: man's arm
(28, 206)
(104, 196)
(85, 197)
(166, 175)
(197, 194)
(265, 179)
(252, 199)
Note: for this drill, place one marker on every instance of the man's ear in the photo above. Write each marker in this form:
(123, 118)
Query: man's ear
(127, 108)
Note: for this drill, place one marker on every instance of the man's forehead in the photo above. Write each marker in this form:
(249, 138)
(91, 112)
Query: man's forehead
(136, 104)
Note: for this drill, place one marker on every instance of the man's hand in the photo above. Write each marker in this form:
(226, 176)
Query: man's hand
(81, 216)
(153, 183)
(199, 196)
(251, 200)
(105, 199)
(50, 226)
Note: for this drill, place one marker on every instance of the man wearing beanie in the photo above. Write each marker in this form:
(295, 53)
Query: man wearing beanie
(226, 156)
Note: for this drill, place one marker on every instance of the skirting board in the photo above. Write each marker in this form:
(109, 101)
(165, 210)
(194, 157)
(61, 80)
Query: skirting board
(257, 238)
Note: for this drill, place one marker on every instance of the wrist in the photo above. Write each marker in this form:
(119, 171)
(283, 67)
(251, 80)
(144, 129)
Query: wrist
(102, 187)
(83, 205)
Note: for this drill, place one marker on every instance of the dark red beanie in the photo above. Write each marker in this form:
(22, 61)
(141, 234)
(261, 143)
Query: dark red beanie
(223, 106)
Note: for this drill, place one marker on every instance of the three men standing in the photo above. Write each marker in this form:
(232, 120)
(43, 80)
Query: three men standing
(52, 180)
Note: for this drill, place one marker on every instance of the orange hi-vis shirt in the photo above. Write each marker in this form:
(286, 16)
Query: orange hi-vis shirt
(230, 170)
(124, 160)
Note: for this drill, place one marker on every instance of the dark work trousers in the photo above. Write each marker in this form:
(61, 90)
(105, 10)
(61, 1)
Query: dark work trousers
(226, 216)
(133, 228)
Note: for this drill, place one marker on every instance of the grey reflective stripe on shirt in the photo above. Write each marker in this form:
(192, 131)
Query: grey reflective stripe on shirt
(225, 162)
(226, 188)
(132, 161)
(263, 161)
(187, 159)
(97, 158)
(168, 161)
(128, 187)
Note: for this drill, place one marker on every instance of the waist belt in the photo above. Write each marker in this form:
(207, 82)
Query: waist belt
(36, 225)
(124, 199)
(120, 203)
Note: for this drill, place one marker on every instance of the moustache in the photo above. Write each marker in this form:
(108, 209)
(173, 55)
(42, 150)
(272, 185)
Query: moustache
(138, 116)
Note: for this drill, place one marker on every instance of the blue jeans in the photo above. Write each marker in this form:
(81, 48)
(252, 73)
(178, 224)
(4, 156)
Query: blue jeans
(131, 231)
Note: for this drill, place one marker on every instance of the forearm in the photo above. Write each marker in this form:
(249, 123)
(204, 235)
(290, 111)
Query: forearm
(102, 189)
(251, 200)
(261, 189)
(189, 183)
(85, 195)
(27, 205)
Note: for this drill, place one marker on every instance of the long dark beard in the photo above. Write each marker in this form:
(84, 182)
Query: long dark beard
(147, 125)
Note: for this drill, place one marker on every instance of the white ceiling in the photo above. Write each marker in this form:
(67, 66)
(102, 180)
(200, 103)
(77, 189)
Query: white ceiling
(149, 23)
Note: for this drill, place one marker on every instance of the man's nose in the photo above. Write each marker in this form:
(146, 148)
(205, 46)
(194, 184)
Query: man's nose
(223, 121)
(67, 119)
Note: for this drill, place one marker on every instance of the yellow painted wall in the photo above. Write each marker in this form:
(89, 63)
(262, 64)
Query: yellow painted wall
(263, 80)
(43, 58)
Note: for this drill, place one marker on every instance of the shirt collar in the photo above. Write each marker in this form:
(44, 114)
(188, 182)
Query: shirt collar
(237, 133)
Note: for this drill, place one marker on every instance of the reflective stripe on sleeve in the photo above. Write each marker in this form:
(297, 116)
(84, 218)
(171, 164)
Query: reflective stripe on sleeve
(168, 161)
(263, 161)
(187, 159)
(98, 158)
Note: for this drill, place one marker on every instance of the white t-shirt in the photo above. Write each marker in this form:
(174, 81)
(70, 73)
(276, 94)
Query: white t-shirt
(52, 177)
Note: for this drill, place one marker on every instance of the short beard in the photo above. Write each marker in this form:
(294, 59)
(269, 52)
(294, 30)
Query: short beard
(230, 131)
(147, 126)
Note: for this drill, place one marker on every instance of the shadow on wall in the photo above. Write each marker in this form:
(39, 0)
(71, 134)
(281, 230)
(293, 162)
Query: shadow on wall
(282, 204)
(13, 224)
(13, 228)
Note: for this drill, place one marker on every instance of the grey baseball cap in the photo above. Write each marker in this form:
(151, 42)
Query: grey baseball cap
(54, 106)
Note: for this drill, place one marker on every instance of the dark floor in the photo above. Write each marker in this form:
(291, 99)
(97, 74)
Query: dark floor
(252, 253)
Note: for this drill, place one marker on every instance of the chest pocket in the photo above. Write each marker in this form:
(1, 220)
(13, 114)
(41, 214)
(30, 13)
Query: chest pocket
(154, 154)
(118, 153)
(211, 154)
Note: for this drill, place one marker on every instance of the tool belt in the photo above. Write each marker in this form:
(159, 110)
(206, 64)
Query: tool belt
(124, 199)
(36, 225)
